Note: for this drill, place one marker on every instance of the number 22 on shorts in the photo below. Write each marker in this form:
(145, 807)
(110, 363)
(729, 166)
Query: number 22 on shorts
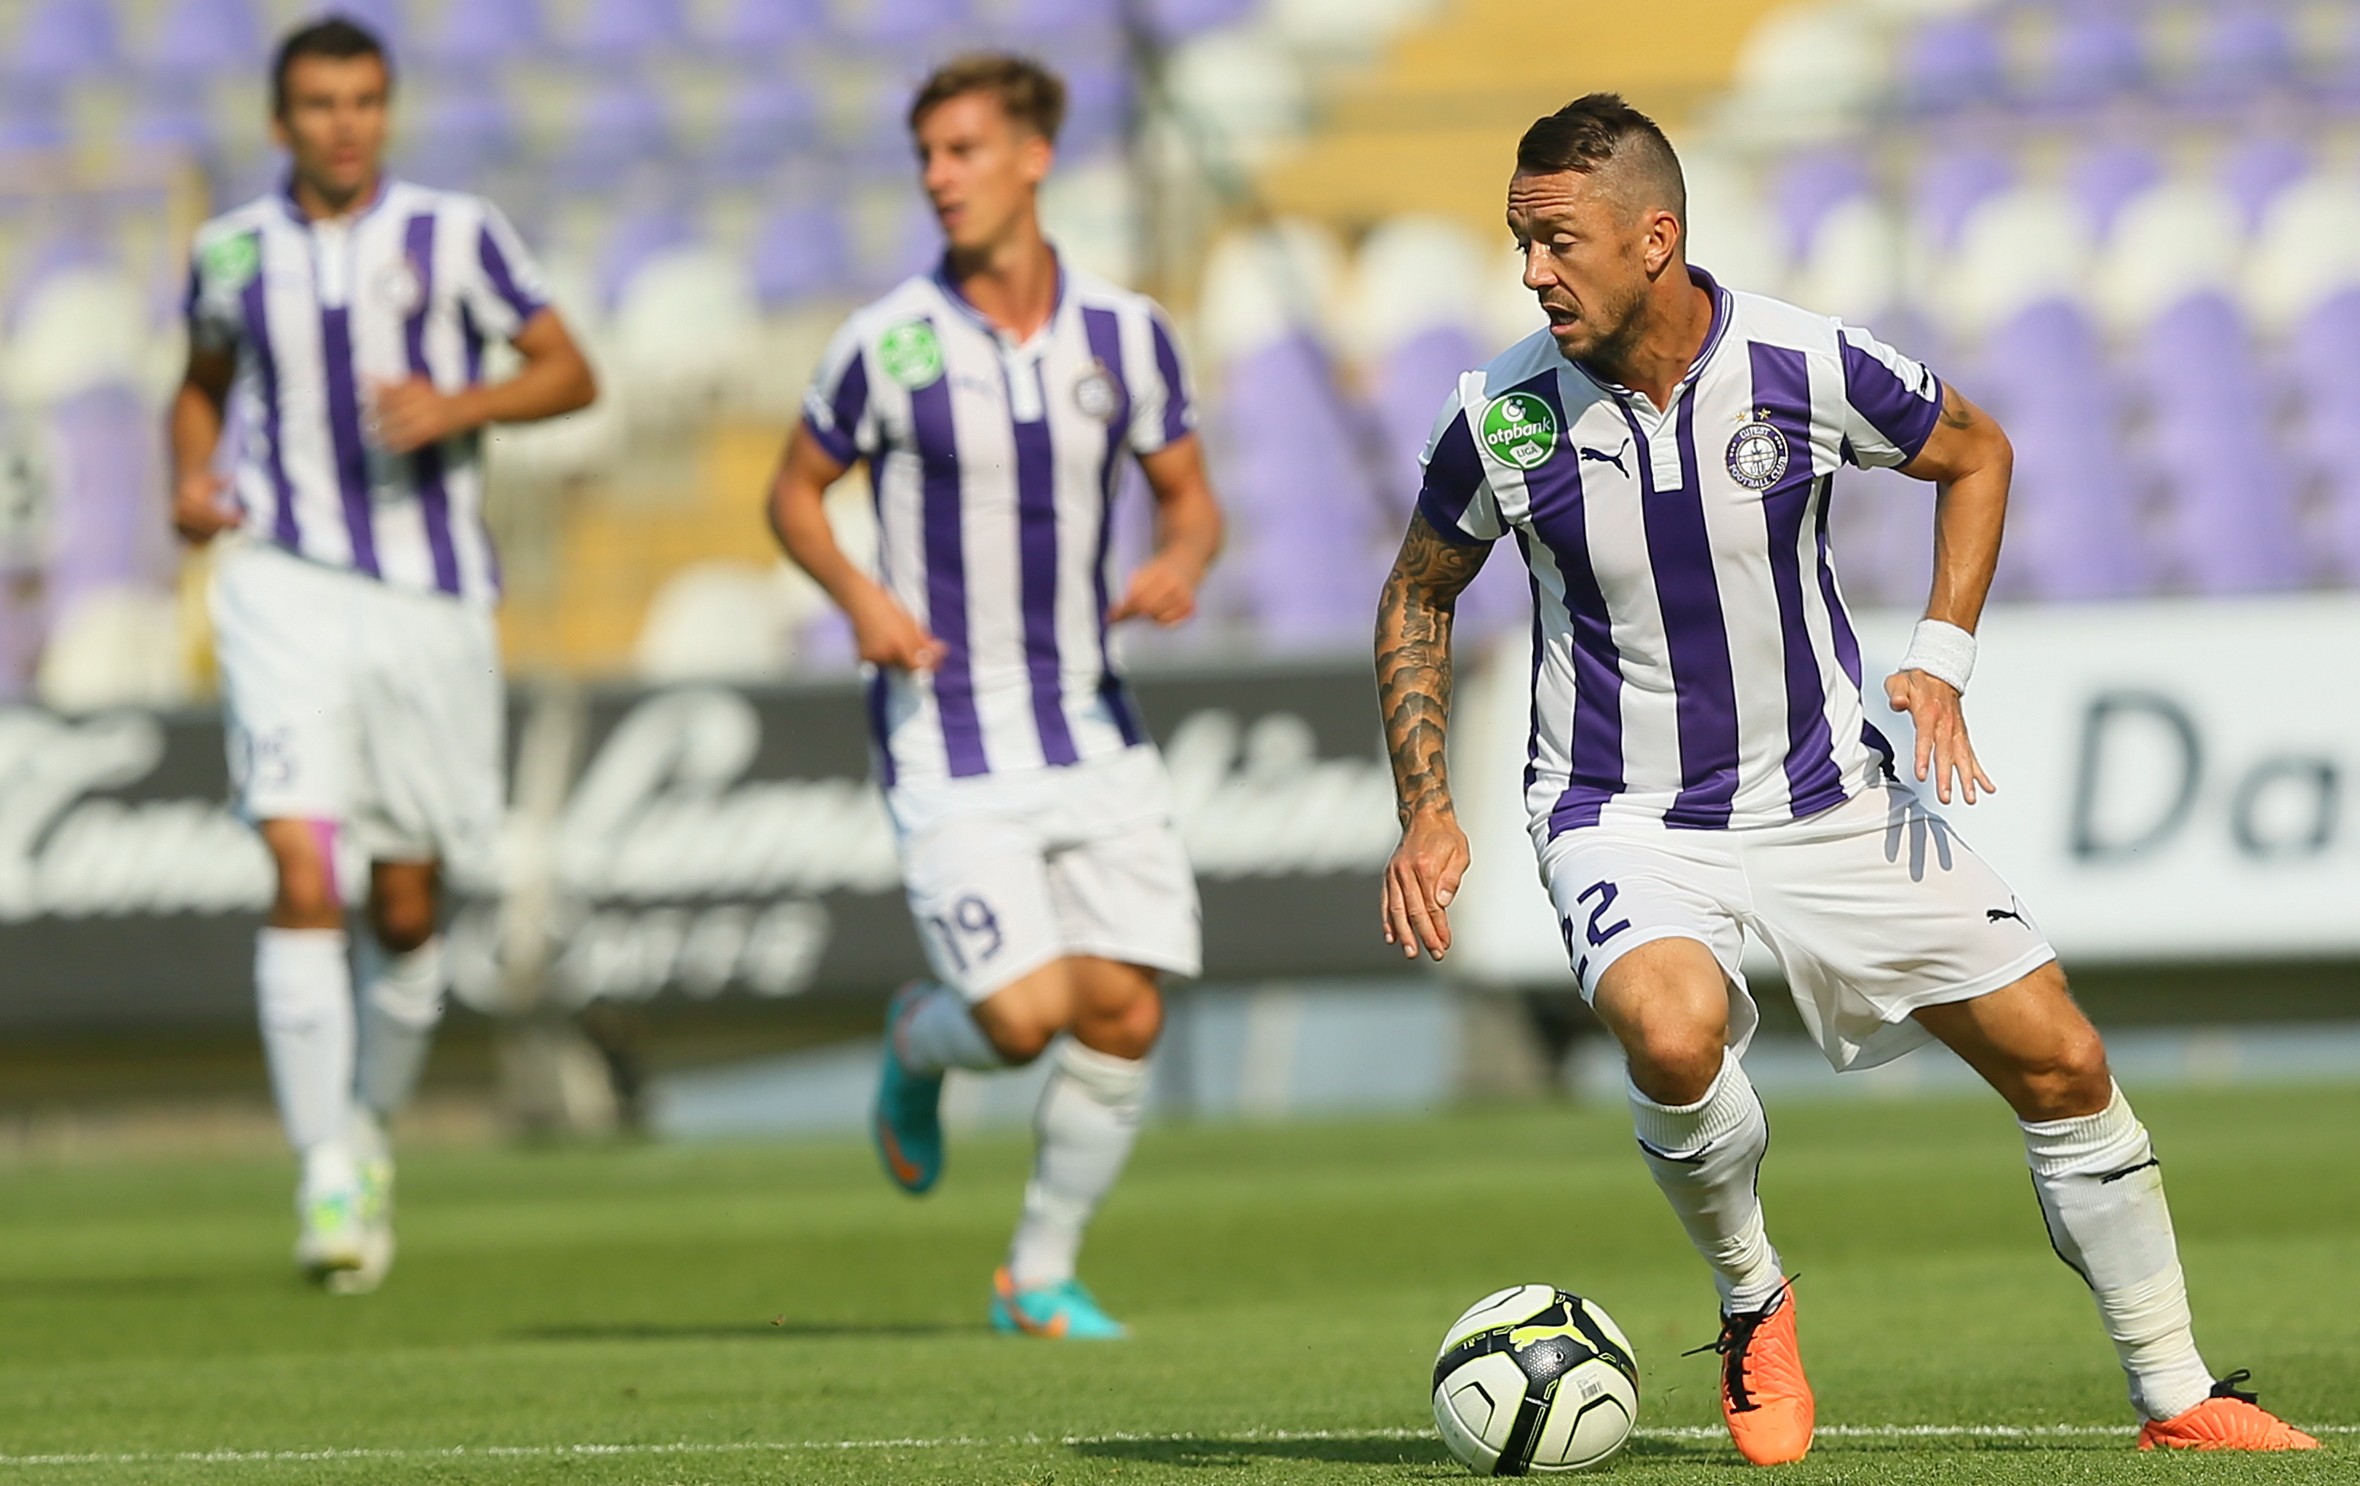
(969, 932)
(1605, 893)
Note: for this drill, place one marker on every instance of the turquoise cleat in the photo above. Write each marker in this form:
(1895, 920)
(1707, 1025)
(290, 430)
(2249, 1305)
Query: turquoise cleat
(907, 1123)
(1066, 1311)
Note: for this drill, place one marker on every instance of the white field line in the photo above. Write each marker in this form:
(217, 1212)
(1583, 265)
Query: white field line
(948, 1442)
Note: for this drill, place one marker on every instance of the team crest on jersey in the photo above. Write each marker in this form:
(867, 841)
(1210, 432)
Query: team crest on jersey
(1757, 455)
(911, 354)
(232, 261)
(1095, 393)
(1519, 429)
(402, 287)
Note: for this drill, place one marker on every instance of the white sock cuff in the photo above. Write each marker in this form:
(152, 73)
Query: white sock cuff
(2087, 1145)
(296, 968)
(409, 987)
(1727, 1107)
(1112, 1081)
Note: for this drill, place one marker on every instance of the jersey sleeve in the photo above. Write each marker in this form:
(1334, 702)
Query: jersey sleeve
(1454, 495)
(219, 269)
(1890, 401)
(503, 288)
(837, 409)
(1163, 405)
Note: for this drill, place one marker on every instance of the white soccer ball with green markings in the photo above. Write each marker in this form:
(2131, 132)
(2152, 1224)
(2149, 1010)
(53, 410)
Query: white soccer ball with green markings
(1534, 1378)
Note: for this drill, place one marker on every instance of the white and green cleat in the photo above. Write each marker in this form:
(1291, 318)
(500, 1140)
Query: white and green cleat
(333, 1238)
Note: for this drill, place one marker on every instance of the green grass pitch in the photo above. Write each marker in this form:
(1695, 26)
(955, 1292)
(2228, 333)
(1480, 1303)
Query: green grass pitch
(776, 1313)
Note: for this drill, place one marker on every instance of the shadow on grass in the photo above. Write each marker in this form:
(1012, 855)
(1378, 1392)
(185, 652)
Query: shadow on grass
(625, 1331)
(1215, 1452)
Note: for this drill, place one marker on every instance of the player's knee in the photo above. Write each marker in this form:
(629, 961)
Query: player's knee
(404, 922)
(1018, 1040)
(1674, 1064)
(306, 898)
(2072, 1079)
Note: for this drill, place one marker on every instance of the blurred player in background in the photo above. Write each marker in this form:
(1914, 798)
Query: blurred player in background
(993, 401)
(1702, 764)
(336, 332)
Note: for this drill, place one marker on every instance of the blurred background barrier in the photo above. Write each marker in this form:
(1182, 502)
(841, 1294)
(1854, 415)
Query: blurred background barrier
(713, 841)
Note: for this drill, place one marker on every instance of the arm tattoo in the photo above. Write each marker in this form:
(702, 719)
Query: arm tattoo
(1413, 660)
(1957, 412)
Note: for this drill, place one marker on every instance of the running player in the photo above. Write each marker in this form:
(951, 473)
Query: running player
(1702, 765)
(993, 400)
(337, 330)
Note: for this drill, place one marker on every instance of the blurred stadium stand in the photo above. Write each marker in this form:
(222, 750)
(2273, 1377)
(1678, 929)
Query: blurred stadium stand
(2132, 229)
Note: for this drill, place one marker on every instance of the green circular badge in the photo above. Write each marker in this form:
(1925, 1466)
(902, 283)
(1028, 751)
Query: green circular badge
(1518, 428)
(232, 261)
(911, 354)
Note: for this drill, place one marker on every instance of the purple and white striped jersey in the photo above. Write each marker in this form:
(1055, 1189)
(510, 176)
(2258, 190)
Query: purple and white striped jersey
(994, 465)
(319, 313)
(1693, 663)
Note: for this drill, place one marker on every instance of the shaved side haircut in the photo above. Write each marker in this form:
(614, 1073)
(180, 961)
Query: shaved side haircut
(1599, 131)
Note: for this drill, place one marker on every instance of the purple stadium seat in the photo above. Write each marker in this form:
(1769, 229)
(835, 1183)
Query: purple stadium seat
(907, 20)
(2096, 55)
(2073, 528)
(620, 125)
(2232, 520)
(1952, 183)
(477, 33)
(30, 120)
(2257, 170)
(1881, 537)
(626, 30)
(753, 27)
(207, 37)
(2049, 353)
(63, 41)
(2320, 354)
(111, 471)
(1951, 63)
(1097, 108)
(769, 120)
(1408, 389)
(1177, 20)
(639, 236)
(458, 137)
(914, 247)
(2245, 50)
(1050, 20)
(1810, 185)
(2107, 176)
(1316, 534)
(800, 252)
(170, 121)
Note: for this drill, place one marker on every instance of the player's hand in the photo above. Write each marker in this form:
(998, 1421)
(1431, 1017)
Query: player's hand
(1933, 705)
(199, 511)
(889, 635)
(405, 417)
(1163, 589)
(1421, 880)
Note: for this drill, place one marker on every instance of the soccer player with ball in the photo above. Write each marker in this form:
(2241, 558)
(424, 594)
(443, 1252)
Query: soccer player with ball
(1701, 763)
(995, 401)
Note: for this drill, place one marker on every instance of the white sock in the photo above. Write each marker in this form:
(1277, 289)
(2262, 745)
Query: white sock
(1706, 1157)
(2101, 1192)
(1088, 1119)
(939, 1032)
(303, 985)
(398, 1013)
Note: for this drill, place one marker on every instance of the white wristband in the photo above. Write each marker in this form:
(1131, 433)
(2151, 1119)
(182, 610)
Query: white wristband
(1943, 651)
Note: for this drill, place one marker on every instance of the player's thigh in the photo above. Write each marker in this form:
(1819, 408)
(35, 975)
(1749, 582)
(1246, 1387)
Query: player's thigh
(2030, 1042)
(287, 687)
(1128, 897)
(431, 698)
(1878, 908)
(1615, 894)
(979, 893)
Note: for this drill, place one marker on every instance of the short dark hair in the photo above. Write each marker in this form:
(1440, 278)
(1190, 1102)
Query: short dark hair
(1597, 129)
(1032, 95)
(335, 36)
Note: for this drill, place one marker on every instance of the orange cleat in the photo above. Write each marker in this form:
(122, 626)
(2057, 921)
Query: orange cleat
(2229, 1420)
(1764, 1396)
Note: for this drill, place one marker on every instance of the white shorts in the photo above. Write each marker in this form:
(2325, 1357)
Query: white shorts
(1873, 908)
(1009, 872)
(369, 708)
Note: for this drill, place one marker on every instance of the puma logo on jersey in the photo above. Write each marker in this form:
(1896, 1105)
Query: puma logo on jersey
(1600, 456)
(1994, 915)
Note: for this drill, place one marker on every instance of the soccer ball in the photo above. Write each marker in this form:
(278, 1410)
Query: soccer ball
(1534, 1378)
